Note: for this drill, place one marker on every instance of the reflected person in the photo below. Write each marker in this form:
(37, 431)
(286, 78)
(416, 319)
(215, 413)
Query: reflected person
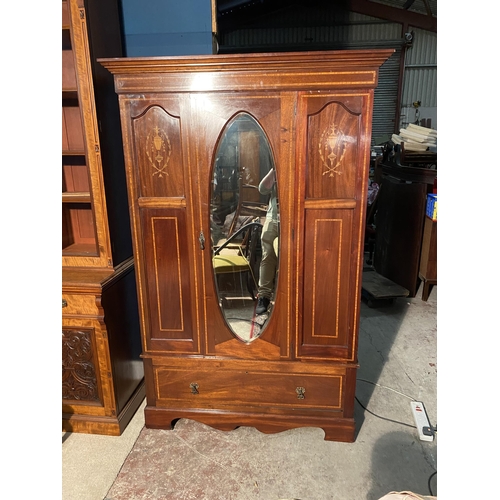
(269, 234)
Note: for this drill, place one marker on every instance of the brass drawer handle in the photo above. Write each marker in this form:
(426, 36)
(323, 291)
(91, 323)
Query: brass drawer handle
(300, 392)
(64, 303)
(194, 387)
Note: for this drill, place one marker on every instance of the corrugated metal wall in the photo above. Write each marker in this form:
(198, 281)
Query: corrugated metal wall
(301, 30)
(354, 31)
(315, 29)
(420, 78)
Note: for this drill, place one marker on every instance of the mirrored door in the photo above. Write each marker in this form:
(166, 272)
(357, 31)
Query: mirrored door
(245, 226)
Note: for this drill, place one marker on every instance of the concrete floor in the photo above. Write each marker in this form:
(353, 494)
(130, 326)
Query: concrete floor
(397, 355)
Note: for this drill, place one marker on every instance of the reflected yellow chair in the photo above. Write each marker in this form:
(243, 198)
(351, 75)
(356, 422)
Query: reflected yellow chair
(235, 258)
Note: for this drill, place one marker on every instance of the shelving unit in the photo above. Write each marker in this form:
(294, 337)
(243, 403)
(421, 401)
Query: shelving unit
(102, 373)
(79, 231)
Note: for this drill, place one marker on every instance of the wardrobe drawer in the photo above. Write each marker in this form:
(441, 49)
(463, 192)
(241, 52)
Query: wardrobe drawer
(209, 389)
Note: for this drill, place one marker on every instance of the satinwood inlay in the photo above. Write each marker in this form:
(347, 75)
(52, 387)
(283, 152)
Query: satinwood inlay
(332, 149)
(158, 149)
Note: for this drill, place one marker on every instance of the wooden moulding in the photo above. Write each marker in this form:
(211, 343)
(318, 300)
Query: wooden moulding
(290, 71)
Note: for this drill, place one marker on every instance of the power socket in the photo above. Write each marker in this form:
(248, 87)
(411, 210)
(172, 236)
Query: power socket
(424, 429)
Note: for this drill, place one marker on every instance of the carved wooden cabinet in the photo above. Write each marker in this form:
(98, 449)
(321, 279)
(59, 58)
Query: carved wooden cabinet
(314, 112)
(102, 373)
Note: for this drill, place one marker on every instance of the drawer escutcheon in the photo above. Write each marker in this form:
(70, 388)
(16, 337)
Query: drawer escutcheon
(300, 392)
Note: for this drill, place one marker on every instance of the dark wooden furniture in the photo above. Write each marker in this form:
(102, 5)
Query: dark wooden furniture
(316, 110)
(102, 373)
(428, 258)
(400, 216)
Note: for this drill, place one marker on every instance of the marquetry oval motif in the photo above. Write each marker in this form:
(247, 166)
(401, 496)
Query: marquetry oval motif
(244, 213)
(158, 153)
(332, 160)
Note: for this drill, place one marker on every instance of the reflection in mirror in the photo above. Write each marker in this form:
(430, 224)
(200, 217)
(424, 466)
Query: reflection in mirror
(245, 227)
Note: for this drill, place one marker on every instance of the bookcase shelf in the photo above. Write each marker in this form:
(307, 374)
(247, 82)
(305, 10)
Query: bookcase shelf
(76, 197)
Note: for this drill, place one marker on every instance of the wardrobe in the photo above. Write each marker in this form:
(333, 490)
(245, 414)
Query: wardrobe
(189, 121)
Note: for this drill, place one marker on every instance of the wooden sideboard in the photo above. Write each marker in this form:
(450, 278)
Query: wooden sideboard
(399, 220)
(314, 113)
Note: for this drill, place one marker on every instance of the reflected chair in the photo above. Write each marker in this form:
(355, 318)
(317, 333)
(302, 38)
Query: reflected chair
(248, 205)
(238, 255)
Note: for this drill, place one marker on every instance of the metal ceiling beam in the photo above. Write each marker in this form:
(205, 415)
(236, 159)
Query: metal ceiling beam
(408, 4)
(393, 14)
(232, 15)
(240, 13)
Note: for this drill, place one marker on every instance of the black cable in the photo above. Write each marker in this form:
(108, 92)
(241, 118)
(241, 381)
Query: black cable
(384, 418)
(429, 482)
(433, 429)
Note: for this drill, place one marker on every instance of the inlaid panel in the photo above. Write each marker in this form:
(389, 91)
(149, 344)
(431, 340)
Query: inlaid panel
(332, 152)
(326, 291)
(168, 271)
(157, 143)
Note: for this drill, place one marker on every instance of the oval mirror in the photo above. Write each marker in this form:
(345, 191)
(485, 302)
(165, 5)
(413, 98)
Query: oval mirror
(245, 227)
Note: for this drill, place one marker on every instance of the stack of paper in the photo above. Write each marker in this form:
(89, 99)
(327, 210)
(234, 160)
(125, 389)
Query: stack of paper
(415, 137)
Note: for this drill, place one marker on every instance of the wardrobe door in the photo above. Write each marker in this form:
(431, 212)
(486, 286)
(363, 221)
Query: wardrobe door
(162, 207)
(333, 158)
(210, 120)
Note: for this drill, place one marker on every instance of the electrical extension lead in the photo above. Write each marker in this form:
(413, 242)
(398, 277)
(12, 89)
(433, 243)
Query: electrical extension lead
(427, 430)
(424, 428)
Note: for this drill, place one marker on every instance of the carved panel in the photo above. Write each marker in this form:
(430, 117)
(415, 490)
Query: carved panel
(79, 379)
(158, 154)
(332, 144)
(327, 266)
